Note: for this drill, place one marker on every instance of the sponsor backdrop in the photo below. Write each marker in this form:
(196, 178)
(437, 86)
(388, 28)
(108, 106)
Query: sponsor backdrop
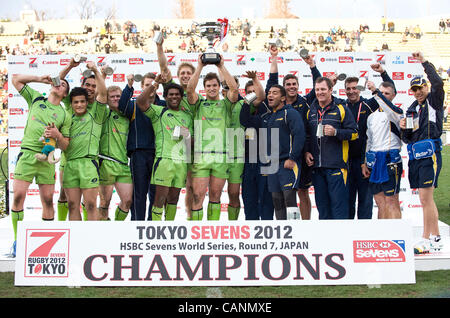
(400, 66)
(214, 254)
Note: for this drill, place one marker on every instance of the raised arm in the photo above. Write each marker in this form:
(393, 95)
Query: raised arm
(437, 85)
(20, 80)
(162, 59)
(144, 100)
(233, 91)
(192, 96)
(125, 107)
(259, 89)
(63, 73)
(102, 96)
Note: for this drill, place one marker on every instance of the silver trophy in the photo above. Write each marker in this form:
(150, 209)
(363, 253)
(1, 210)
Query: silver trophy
(87, 73)
(250, 98)
(304, 53)
(56, 80)
(210, 30)
(342, 77)
(361, 87)
(158, 37)
(138, 77)
(78, 58)
(108, 70)
(409, 122)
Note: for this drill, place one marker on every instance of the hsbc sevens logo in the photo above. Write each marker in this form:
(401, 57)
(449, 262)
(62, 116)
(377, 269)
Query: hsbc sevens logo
(32, 63)
(363, 73)
(47, 253)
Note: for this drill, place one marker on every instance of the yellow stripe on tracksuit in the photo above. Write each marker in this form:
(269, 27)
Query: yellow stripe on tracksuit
(434, 168)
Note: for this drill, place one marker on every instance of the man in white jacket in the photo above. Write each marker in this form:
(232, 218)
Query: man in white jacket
(383, 160)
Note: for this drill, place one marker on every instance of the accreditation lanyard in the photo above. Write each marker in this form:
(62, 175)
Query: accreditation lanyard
(321, 113)
(359, 112)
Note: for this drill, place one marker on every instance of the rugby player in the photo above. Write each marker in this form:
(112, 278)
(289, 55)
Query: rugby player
(90, 85)
(236, 143)
(173, 129)
(113, 160)
(185, 71)
(211, 118)
(81, 171)
(46, 117)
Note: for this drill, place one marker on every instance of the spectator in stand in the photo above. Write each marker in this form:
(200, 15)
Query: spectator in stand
(442, 26)
(417, 32)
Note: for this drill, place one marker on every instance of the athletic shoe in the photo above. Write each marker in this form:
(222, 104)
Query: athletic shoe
(12, 251)
(436, 243)
(422, 247)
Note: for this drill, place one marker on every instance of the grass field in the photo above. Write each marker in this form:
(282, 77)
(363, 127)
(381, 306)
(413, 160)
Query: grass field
(433, 284)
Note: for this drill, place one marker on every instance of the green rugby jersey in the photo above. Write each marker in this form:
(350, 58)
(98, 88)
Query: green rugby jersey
(86, 131)
(113, 141)
(41, 113)
(211, 118)
(236, 135)
(164, 120)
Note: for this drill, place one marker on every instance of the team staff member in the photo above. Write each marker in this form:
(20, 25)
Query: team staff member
(140, 148)
(46, 117)
(424, 149)
(173, 129)
(301, 104)
(212, 116)
(258, 204)
(113, 160)
(329, 130)
(383, 152)
(184, 74)
(288, 124)
(360, 108)
(236, 150)
(81, 171)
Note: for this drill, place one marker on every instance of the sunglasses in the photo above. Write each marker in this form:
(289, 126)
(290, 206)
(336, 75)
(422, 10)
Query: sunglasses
(416, 88)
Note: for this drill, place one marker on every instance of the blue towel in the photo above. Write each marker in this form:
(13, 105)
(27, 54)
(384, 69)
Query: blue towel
(379, 172)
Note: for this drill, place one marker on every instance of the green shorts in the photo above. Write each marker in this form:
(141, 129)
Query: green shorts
(62, 162)
(207, 165)
(29, 168)
(112, 172)
(169, 173)
(81, 173)
(235, 172)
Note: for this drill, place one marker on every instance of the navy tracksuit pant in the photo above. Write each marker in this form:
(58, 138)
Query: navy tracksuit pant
(359, 186)
(255, 194)
(141, 165)
(331, 193)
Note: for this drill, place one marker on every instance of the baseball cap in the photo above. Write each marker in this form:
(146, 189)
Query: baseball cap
(418, 82)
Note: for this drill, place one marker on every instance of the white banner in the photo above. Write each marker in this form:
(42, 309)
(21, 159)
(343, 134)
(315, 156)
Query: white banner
(399, 65)
(214, 253)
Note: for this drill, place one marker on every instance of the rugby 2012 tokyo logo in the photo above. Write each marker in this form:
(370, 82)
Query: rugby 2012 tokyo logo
(376, 251)
(47, 253)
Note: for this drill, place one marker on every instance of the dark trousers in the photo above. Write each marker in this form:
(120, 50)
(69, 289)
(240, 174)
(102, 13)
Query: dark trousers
(141, 164)
(331, 193)
(255, 194)
(358, 187)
